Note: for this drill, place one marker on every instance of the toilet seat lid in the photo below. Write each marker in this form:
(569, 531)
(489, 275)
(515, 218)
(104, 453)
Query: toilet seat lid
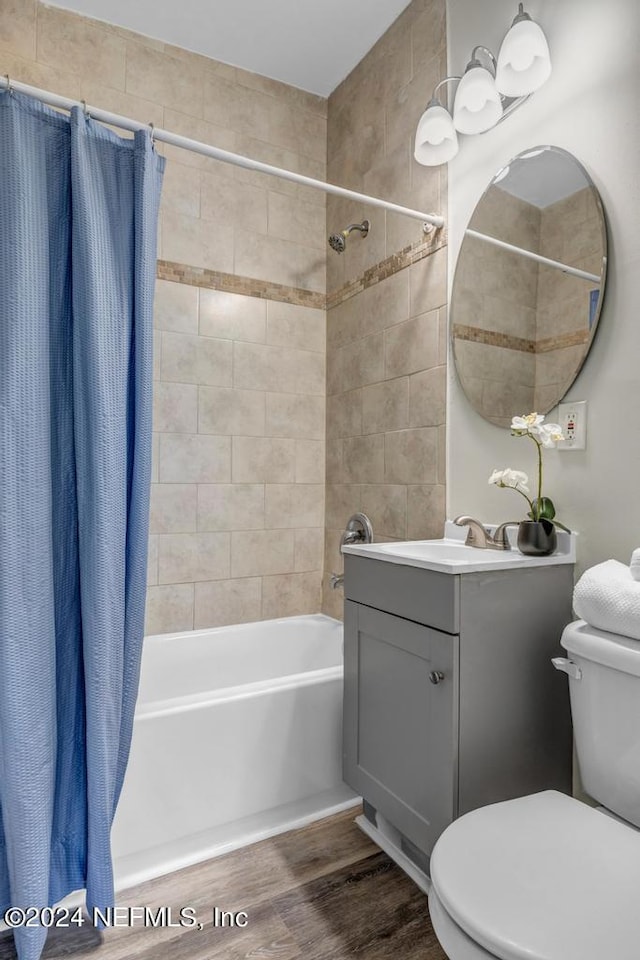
(543, 877)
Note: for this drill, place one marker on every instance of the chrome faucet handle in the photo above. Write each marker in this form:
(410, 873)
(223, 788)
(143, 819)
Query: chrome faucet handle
(477, 535)
(500, 537)
(358, 530)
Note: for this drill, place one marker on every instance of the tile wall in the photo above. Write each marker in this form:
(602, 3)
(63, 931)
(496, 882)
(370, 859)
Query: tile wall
(237, 514)
(386, 342)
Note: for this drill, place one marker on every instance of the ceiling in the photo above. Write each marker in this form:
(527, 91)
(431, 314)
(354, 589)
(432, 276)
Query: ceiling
(311, 44)
(543, 176)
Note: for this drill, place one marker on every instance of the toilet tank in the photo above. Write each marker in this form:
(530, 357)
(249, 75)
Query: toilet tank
(605, 706)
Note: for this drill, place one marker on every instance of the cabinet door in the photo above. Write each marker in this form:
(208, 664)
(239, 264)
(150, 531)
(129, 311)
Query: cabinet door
(401, 728)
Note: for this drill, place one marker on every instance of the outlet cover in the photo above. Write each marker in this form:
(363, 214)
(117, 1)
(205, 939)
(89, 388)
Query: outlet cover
(572, 418)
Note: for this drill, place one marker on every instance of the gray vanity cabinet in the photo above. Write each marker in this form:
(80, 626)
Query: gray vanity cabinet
(450, 698)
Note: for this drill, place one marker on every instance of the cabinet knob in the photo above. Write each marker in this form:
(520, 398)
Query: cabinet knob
(436, 676)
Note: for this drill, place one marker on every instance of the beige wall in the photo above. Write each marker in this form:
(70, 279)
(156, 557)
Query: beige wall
(386, 345)
(238, 497)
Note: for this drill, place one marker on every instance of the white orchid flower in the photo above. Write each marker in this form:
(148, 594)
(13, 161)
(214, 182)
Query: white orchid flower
(528, 424)
(515, 479)
(550, 434)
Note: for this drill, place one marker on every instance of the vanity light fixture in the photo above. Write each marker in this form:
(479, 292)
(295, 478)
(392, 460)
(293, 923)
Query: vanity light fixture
(486, 94)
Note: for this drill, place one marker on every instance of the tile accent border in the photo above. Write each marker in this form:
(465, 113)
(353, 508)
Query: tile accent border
(494, 339)
(387, 268)
(231, 283)
(266, 290)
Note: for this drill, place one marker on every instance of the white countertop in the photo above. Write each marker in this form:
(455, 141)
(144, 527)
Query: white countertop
(451, 555)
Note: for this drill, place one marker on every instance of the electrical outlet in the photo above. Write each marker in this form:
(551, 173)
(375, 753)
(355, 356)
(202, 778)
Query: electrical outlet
(573, 421)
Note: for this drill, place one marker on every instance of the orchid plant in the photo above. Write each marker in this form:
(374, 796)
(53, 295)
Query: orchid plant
(543, 435)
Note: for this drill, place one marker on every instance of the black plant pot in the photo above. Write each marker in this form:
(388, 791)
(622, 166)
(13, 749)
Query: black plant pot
(537, 538)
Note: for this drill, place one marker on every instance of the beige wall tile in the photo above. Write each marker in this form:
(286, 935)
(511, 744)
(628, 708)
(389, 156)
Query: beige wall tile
(65, 38)
(180, 122)
(152, 561)
(172, 81)
(176, 307)
(169, 608)
(18, 27)
(229, 203)
(187, 557)
(181, 189)
(222, 411)
(309, 549)
(198, 243)
(190, 359)
(173, 508)
(357, 364)
(410, 456)
(291, 326)
(335, 461)
(295, 415)
(290, 262)
(310, 461)
(232, 316)
(428, 283)
(256, 553)
(290, 217)
(155, 457)
(385, 406)
(385, 304)
(344, 414)
(342, 500)
(230, 506)
(292, 595)
(235, 107)
(386, 507)
(364, 459)
(426, 512)
(290, 505)
(427, 397)
(411, 346)
(175, 408)
(345, 322)
(194, 459)
(259, 366)
(264, 460)
(225, 602)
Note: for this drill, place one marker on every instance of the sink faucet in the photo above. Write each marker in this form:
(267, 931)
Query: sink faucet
(480, 538)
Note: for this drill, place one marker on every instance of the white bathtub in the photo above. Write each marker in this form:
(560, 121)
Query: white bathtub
(237, 737)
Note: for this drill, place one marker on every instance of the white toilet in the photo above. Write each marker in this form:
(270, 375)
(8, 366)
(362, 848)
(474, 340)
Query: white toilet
(546, 877)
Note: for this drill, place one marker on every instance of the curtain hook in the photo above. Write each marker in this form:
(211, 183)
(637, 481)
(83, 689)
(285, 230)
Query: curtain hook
(85, 109)
(9, 87)
(151, 129)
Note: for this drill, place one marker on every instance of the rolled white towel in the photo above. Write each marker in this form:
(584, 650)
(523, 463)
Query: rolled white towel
(634, 566)
(608, 598)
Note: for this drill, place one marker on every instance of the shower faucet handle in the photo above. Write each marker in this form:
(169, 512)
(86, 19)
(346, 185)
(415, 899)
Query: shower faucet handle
(358, 530)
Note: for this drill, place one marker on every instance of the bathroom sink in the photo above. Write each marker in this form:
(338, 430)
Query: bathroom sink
(452, 555)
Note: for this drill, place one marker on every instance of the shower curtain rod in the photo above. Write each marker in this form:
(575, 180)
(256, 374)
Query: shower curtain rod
(165, 136)
(530, 255)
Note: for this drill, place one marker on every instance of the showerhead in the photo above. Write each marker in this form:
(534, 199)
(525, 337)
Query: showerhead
(338, 241)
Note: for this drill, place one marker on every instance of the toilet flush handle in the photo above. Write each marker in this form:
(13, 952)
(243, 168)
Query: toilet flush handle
(567, 666)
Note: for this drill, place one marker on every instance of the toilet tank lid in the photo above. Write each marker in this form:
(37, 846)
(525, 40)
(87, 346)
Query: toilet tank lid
(609, 649)
(543, 877)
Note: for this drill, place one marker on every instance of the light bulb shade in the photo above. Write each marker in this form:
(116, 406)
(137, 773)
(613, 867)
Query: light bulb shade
(524, 63)
(477, 106)
(436, 137)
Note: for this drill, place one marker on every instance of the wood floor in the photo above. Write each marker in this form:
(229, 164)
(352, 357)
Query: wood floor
(322, 893)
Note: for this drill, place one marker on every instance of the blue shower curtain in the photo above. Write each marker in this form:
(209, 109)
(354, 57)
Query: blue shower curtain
(78, 215)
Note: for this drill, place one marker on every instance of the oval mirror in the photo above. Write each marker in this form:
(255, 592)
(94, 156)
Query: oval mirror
(528, 285)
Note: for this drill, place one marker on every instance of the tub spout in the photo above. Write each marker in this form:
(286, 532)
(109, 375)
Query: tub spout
(337, 580)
